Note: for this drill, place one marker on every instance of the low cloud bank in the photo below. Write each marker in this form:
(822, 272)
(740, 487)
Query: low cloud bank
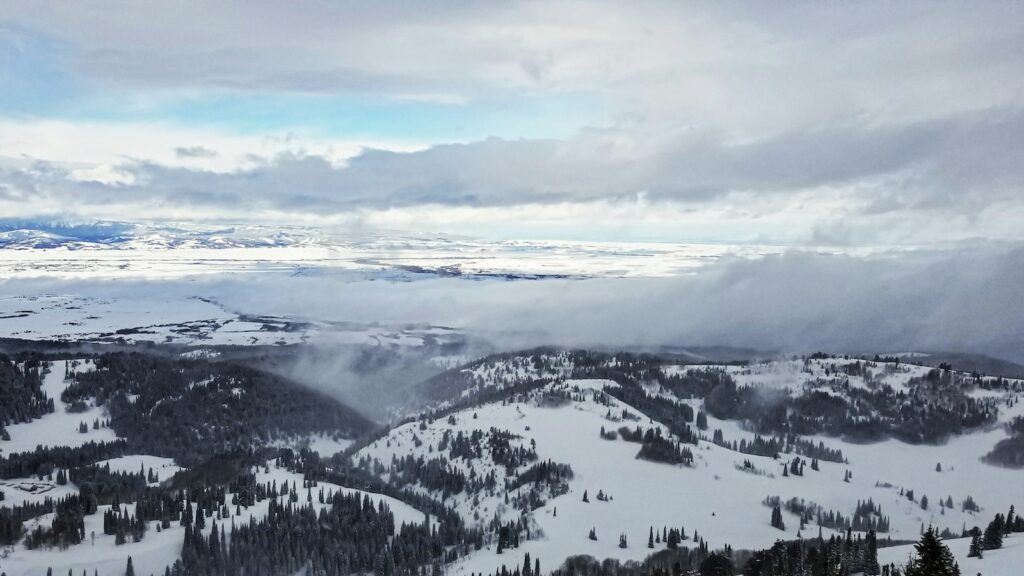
(966, 300)
(970, 299)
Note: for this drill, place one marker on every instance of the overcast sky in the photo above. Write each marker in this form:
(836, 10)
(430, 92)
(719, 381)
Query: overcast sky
(867, 123)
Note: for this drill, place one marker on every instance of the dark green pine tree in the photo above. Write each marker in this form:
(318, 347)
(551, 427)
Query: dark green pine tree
(933, 558)
(870, 562)
(673, 539)
(129, 569)
(777, 521)
(994, 533)
(702, 420)
(975, 550)
(650, 538)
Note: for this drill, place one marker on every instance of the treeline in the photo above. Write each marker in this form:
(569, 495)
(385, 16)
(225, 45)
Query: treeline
(669, 562)
(350, 536)
(12, 519)
(773, 447)
(674, 415)
(43, 461)
(191, 409)
(929, 413)
(817, 557)
(21, 393)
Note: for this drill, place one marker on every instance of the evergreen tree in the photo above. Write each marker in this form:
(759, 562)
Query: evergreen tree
(933, 558)
(777, 521)
(702, 420)
(870, 560)
(994, 533)
(975, 550)
(129, 569)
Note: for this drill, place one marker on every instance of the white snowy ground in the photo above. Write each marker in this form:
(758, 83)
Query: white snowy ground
(59, 428)
(163, 468)
(160, 549)
(1007, 561)
(714, 497)
(175, 316)
(156, 258)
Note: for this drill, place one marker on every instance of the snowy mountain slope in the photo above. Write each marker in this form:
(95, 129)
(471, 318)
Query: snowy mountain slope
(61, 427)
(718, 496)
(159, 549)
(1006, 561)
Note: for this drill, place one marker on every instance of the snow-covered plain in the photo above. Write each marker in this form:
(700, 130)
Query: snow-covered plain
(105, 314)
(169, 252)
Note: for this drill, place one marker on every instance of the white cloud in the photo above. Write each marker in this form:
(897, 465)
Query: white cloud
(857, 123)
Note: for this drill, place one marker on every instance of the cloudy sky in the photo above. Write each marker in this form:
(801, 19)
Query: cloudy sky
(865, 124)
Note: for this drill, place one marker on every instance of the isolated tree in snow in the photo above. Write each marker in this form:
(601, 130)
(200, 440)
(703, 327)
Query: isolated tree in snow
(129, 569)
(975, 550)
(585, 497)
(650, 538)
(593, 534)
(777, 521)
(933, 558)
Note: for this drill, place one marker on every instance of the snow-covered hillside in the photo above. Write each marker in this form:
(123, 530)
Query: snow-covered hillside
(722, 495)
(552, 453)
(159, 549)
(62, 427)
(1006, 561)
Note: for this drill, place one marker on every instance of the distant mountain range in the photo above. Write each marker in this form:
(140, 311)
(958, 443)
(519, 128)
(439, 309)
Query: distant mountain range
(50, 234)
